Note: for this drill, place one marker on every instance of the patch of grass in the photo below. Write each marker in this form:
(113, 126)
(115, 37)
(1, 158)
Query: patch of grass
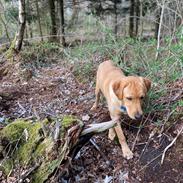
(41, 54)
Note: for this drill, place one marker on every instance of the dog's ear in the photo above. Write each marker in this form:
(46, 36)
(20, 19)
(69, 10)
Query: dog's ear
(147, 84)
(118, 88)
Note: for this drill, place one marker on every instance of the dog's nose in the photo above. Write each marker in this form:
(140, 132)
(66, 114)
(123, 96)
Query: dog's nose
(138, 116)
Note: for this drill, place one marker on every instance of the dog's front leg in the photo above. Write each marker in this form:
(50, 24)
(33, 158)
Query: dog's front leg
(127, 153)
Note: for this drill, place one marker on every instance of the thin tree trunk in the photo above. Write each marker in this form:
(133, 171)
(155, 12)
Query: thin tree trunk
(30, 30)
(53, 21)
(22, 23)
(157, 23)
(74, 15)
(26, 31)
(137, 12)
(6, 29)
(28, 27)
(61, 3)
(131, 19)
(159, 30)
(141, 19)
(39, 20)
(116, 19)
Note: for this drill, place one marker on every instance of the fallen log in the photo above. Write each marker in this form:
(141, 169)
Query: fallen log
(24, 142)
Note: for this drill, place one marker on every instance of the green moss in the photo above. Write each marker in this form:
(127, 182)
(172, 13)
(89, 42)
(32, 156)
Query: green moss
(6, 166)
(24, 152)
(14, 130)
(43, 148)
(9, 53)
(68, 121)
(45, 170)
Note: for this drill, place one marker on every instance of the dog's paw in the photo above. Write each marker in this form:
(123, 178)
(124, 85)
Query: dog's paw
(127, 153)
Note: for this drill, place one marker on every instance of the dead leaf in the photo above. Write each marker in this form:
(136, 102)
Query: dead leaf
(86, 117)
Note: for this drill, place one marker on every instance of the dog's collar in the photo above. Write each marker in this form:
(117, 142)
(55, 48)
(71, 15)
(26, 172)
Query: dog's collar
(123, 108)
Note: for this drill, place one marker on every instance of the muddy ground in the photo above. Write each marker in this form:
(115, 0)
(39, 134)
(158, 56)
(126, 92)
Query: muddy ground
(56, 90)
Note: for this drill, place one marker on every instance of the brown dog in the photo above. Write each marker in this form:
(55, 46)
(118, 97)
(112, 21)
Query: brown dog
(122, 94)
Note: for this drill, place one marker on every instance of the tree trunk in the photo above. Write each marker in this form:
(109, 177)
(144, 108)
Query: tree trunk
(39, 20)
(22, 22)
(116, 19)
(137, 12)
(159, 30)
(157, 23)
(61, 3)
(53, 20)
(74, 14)
(131, 19)
(6, 29)
(28, 27)
(141, 19)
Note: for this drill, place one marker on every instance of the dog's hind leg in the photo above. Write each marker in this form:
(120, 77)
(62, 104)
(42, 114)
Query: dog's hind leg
(97, 95)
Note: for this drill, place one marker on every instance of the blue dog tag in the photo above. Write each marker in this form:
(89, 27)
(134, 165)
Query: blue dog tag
(123, 108)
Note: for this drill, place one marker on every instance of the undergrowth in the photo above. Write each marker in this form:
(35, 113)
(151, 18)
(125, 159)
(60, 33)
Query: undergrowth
(41, 54)
(133, 56)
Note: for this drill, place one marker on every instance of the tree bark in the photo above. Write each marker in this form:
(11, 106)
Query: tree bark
(22, 23)
(159, 30)
(116, 19)
(131, 19)
(74, 14)
(39, 20)
(6, 29)
(141, 19)
(53, 32)
(137, 12)
(61, 4)
(157, 23)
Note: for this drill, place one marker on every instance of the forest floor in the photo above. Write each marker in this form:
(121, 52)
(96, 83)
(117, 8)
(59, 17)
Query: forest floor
(53, 90)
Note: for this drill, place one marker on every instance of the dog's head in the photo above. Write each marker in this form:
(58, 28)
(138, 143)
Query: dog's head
(131, 91)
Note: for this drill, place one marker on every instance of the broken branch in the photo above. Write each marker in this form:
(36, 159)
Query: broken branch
(99, 127)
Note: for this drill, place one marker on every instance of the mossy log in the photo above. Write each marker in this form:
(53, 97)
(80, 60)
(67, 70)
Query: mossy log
(25, 143)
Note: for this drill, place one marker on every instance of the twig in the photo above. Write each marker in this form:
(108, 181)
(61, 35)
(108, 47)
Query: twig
(148, 141)
(27, 173)
(99, 150)
(22, 108)
(141, 124)
(171, 144)
(149, 162)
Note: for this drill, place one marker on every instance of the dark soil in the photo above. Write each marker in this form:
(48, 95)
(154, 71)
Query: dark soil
(55, 90)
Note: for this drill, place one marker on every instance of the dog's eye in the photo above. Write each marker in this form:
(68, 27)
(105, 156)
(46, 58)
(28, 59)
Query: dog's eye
(129, 98)
(142, 97)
